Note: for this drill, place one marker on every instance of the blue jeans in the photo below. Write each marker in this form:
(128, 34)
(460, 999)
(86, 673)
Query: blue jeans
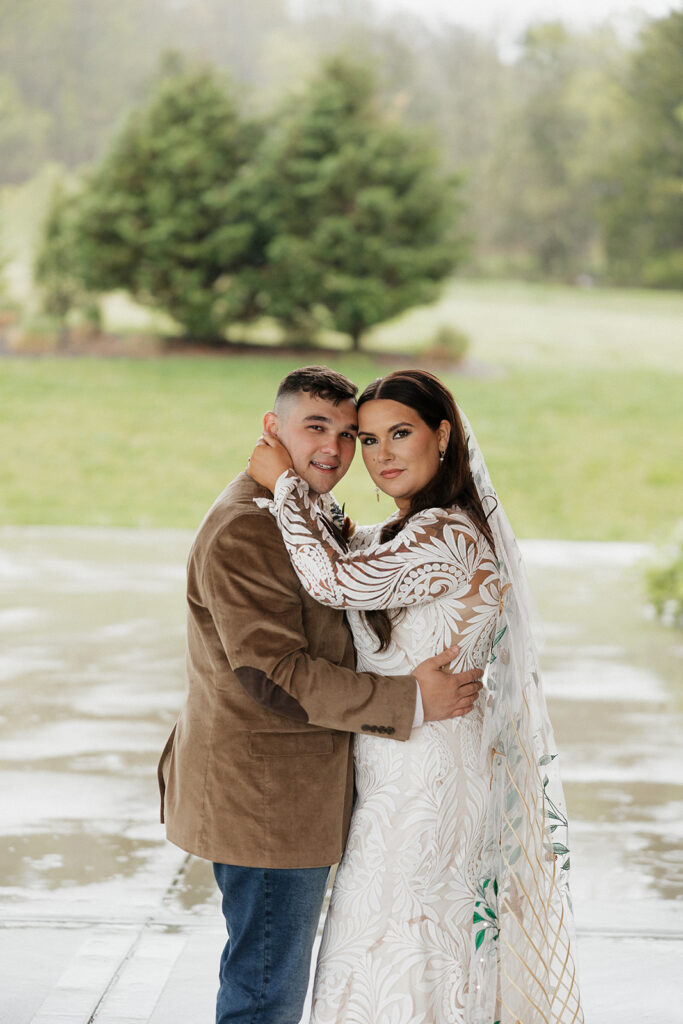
(272, 917)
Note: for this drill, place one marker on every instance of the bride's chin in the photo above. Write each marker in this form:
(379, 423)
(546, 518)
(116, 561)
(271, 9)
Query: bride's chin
(388, 492)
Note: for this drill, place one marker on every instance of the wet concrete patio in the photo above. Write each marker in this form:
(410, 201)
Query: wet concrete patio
(103, 921)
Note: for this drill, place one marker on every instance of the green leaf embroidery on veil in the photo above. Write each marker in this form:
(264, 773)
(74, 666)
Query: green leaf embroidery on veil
(486, 911)
(496, 640)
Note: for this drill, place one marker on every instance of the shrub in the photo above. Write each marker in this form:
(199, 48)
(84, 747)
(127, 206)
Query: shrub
(448, 344)
(665, 580)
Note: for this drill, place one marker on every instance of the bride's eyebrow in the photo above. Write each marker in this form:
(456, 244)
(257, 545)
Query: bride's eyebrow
(368, 433)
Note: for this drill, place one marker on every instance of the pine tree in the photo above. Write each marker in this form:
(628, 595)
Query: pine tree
(160, 215)
(356, 219)
(58, 269)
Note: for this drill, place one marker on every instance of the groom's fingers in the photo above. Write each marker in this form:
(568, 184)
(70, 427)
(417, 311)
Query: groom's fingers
(440, 661)
(467, 690)
(443, 660)
(272, 440)
(467, 685)
(469, 693)
(474, 675)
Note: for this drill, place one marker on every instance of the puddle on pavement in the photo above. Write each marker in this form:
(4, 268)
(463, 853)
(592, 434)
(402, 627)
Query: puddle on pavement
(70, 856)
(92, 668)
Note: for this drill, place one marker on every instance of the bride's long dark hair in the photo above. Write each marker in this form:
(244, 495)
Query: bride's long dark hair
(452, 484)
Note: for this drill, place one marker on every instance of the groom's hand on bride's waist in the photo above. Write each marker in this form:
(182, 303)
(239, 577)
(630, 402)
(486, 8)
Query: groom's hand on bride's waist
(445, 695)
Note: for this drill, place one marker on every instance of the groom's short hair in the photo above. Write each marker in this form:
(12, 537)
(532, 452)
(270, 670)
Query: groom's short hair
(319, 381)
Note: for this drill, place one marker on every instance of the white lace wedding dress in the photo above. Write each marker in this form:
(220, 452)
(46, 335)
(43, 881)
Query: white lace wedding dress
(398, 936)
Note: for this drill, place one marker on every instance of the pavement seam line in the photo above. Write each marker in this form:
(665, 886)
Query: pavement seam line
(146, 925)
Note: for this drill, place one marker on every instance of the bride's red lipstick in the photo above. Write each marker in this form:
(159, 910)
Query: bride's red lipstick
(389, 474)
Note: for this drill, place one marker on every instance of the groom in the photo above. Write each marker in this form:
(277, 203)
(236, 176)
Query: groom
(257, 775)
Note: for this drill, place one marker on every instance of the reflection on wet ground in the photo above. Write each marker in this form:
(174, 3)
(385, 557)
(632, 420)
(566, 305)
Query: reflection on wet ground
(91, 665)
(615, 688)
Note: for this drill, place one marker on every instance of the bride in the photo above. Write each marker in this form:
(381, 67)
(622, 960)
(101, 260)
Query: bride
(451, 903)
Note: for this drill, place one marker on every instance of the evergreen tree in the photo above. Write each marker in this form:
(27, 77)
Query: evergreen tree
(160, 215)
(356, 221)
(58, 268)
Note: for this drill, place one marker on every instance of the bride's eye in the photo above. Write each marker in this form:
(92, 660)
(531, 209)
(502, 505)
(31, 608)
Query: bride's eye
(368, 440)
(401, 433)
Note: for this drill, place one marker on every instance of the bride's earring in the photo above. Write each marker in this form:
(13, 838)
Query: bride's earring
(377, 491)
(442, 455)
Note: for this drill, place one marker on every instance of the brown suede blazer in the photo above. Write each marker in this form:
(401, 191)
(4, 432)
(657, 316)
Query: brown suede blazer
(258, 770)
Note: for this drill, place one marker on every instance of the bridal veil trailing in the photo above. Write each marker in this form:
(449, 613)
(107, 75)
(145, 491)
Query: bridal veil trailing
(522, 969)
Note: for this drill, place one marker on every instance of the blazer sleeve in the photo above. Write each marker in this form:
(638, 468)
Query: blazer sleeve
(254, 599)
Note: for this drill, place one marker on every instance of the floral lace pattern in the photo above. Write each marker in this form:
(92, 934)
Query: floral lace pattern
(451, 904)
(398, 942)
(438, 554)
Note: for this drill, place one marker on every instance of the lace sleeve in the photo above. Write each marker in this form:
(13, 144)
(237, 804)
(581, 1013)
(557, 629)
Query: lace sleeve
(438, 553)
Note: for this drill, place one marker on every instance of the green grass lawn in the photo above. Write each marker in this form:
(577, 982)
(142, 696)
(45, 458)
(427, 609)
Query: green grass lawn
(515, 323)
(575, 452)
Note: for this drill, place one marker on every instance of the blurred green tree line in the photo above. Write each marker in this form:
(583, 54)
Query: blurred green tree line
(571, 152)
(327, 215)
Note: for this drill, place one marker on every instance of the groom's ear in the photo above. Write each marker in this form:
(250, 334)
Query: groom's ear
(271, 424)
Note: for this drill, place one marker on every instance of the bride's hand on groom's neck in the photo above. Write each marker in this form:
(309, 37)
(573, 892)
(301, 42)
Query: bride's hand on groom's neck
(268, 461)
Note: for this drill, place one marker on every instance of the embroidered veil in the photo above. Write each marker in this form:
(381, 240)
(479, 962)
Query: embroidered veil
(523, 969)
